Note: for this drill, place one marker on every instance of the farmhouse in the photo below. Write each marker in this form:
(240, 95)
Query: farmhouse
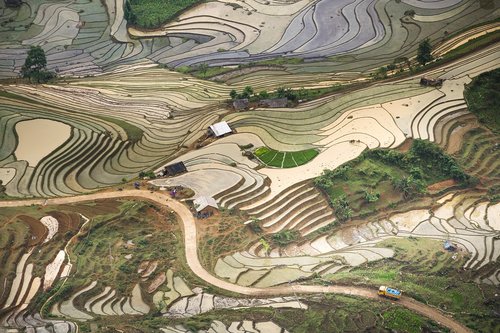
(220, 129)
(274, 102)
(240, 104)
(205, 206)
(13, 3)
(174, 169)
(429, 82)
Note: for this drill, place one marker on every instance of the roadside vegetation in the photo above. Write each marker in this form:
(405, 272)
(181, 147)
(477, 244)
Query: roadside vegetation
(139, 230)
(381, 178)
(325, 313)
(222, 235)
(423, 270)
(483, 98)
(283, 159)
(151, 14)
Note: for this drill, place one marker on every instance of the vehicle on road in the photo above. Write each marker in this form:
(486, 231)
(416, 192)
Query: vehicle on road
(389, 292)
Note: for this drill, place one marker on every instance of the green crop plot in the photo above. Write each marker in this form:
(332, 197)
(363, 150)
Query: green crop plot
(287, 159)
(153, 13)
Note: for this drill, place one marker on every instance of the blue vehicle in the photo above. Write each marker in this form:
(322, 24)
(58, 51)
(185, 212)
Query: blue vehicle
(389, 292)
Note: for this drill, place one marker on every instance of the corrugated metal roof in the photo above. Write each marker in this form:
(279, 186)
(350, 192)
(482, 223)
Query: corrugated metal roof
(221, 128)
(201, 203)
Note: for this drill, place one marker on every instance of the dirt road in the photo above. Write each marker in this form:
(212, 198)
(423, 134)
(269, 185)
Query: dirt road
(189, 226)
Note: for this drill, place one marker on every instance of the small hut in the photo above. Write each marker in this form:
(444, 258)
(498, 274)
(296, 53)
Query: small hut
(205, 206)
(13, 3)
(449, 246)
(220, 129)
(429, 82)
(240, 104)
(174, 169)
(274, 102)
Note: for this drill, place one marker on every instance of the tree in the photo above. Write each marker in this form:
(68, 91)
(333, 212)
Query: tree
(129, 14)
(233, 94)
(409, 12)
(342, 209)
(281, 92)
(263, 94)
(424, 52)
(371, 196)
(203, 69)
(34, 67)
(409, 186)
(247, 92)
(2, 188)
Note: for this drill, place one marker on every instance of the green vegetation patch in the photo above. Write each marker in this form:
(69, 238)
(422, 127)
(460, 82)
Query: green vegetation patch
(116, 229)
(224, 234)
(382, 178)
(140, 229)
(483, 99)
(325, 313)
(423, 270)
(289, 159)
(153, 13)
(134, 133)
(473, 44)
(403, 320)
(285, 237)
(293, 95)
(203, 71)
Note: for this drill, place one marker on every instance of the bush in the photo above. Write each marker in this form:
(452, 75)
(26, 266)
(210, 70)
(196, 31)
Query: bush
(255, 226)
(147, 174)
(409, 12)
(409, 186)
(285, 237)
(342, 209)
(483, 99)
(371, 196)
(125, 268)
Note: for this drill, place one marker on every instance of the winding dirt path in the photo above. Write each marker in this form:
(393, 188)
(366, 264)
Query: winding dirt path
(194, 264)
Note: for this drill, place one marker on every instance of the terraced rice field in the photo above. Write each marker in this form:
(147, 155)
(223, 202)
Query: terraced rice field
(117, 110)
(466, 219)
(82, 38)
(273, 158)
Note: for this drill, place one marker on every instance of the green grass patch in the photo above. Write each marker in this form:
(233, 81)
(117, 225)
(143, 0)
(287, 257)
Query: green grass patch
(134, 133)
(473, 45)
(280, 61)
(289, 159)
(223, 235)
(403, 320)
(325, 313)
(381, 178)
(285, 237)
(424, 271)
(202, 72)
(483, 98)
(153, 13)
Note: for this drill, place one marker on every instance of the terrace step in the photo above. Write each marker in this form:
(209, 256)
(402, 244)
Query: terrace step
(262, 192)
(276, 201)
(284, 205)
(296, 214)
(253, 183)
(284, 215)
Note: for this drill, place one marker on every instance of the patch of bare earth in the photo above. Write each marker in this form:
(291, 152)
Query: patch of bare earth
(439, 186)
